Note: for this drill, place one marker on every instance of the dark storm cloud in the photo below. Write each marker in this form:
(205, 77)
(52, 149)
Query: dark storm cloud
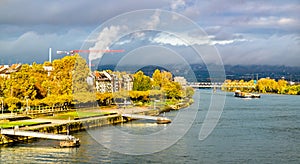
(67, 12)
(256, 32)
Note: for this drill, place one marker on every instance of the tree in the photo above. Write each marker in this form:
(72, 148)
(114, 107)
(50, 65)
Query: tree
(265, 85)
(2, 86)
(157, 79)
(141, 82)
(104, 98)
(80, 75)
(173, 90)
(189, 92)
(12, 103)
(139, 96)
(281, 86)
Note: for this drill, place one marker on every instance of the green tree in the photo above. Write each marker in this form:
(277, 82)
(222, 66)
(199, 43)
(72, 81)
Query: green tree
(80, 75)
(189, 92)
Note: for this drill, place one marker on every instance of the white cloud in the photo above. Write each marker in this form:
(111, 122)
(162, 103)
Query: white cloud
(105, 38)
(168, 39)
(154, 20)
(224, 42)
(272, 21)
(175, 4)
(187, 40)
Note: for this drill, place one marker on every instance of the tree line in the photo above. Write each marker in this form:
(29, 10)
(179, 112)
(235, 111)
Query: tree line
(263, 85)
(145, 89)
(33, 85)
(66, 84)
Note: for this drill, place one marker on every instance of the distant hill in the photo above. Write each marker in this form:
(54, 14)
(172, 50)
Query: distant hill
(260, 71)
(233, 72)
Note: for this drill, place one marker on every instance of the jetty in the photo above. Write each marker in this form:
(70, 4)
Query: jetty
(159, 120)
(66, 140)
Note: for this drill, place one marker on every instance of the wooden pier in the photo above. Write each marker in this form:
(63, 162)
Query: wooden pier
(161, 120)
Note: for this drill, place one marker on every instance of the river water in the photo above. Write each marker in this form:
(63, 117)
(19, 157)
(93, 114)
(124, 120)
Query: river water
(265, 130)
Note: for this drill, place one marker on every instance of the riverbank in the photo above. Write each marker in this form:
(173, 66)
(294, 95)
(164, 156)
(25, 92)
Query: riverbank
(56, 126)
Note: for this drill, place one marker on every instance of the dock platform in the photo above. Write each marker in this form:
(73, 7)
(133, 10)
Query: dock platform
(157, 119)
(66, 140)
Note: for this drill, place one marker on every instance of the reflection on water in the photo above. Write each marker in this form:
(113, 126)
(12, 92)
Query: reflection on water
(265, 130)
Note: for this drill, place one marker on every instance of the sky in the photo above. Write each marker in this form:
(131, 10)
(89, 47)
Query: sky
(243, 32)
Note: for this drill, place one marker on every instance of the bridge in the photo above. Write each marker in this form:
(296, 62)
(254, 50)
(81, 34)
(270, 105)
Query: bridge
(139, 116)
(205, 85)
(218, 85)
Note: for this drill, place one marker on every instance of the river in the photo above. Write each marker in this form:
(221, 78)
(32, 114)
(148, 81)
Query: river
(265, 130)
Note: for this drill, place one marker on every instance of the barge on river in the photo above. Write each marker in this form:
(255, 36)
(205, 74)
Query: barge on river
(240, 94)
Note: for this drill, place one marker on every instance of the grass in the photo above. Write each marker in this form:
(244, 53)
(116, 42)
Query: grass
(79, 114)
(17, 123)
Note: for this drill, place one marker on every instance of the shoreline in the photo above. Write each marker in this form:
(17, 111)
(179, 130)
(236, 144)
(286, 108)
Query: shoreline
(65, 126)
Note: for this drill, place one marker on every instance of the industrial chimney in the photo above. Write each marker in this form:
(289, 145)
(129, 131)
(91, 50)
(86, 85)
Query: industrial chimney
(50, 53)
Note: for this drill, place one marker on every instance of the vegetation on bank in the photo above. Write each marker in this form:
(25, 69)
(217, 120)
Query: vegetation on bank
(66, 85)
(17, 123)
(77, 114)
(263, 85)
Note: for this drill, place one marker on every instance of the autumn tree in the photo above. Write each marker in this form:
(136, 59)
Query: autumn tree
(281, 86)
(141, 82)
(173, 90)
(265, 85)
(157, 79)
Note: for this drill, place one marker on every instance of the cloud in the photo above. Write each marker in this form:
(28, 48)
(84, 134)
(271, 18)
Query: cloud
(154, 20)
(189, 40)
(32, 46)
(273, 50)
(272, 21)
(235, 27)
(105, 38)
(175, 4)
(68, 12)
(163, 38)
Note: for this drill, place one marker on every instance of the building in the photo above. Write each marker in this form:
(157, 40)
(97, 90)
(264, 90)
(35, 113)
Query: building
(6, 70)
(3, 69)
(112, 82)
(49, 69)
(103, 81)
(181, 80)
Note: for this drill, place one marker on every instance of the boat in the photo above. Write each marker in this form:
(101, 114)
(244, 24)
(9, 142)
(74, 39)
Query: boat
(163, 121)
(70, 143)
(241, 94)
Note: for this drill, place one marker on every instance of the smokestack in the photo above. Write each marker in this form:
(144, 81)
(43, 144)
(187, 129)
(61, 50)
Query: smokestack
(50, 53)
